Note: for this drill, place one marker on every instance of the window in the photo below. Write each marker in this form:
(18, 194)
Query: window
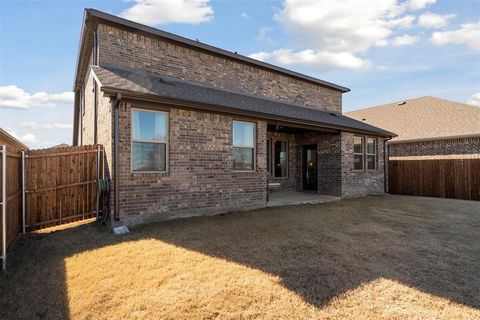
(269, 152)
(281, 159)
(371, 153)
(243, 146)
(149, 140)
(358, 146)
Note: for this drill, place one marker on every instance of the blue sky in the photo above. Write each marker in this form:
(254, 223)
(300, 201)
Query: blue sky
(384, 50)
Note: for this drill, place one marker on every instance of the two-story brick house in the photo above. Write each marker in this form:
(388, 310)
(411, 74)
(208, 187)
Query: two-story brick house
(192, 129)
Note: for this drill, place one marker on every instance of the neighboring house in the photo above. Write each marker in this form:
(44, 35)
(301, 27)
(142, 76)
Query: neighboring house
(192, 129)
(426, 127)
(8, 139)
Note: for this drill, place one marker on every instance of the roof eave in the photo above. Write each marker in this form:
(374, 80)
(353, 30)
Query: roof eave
(463, 136)
(197, 105)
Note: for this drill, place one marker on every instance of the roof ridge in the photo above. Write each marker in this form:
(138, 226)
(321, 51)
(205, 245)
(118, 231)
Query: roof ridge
(394, 103)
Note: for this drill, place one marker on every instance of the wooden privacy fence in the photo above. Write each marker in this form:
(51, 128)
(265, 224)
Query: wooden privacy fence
(48, 187)
(11, 191)
(443, 178)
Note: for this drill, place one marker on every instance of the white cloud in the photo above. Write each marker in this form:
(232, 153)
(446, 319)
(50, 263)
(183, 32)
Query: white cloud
(315, 59)
(16, 98)
(263, 35)
(403, 22)
(325, 31)
(433, 20)
(474, 99)
(34, 125)
(419, 4)
(153, 12)
(404, 40)
(468, 34)
(262, 56)
(244, 15)
(28, 138)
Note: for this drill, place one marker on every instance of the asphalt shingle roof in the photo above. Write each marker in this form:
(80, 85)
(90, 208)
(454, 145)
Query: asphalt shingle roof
(142, 82)
(423, 118)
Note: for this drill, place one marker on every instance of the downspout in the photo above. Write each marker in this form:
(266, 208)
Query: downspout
(116, 155)
(386, 156)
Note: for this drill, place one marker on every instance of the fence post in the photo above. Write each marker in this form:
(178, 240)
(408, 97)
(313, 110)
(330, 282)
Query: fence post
(4, 207)
(97, 210)
(24, 222)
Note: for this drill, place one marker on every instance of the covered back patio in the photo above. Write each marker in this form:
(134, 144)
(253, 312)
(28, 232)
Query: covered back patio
(303, 163)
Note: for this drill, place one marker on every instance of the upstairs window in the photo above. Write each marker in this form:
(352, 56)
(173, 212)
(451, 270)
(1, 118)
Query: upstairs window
(358, 147)
(281, 159)
(243, 146)
(371, 154)
(149, 141)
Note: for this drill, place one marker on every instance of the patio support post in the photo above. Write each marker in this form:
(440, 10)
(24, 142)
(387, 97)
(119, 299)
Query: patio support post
(24, 223)
(4, 207)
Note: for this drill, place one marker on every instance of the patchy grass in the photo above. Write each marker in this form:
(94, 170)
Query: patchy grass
(387, 257)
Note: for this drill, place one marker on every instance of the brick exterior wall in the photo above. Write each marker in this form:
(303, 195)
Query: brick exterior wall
(328, 161)
(365, 182)
(123, 47)
(288, 183)
(435, 148)
(200, 178)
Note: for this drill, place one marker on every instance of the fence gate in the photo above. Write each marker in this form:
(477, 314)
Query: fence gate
(61, 185)
(46, 187)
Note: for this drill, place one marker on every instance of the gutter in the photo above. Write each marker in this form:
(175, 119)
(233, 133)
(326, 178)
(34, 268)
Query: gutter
(386, 157)
(116, 155)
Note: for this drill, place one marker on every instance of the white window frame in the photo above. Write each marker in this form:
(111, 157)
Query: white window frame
(254, 145)
(166, 142)
(371, 154)
(274, 158)
(362, 153)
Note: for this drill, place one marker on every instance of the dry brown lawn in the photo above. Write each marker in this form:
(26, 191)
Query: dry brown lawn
(386, 257)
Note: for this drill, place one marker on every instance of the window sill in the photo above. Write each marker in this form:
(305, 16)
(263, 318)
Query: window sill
(150, 174)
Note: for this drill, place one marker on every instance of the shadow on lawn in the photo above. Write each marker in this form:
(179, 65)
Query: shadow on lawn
(319, 251)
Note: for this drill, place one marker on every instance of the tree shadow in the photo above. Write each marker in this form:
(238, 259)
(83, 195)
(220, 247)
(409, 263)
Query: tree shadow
(318, 251)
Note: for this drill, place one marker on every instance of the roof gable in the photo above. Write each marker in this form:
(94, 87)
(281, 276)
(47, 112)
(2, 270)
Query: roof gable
(92, 17)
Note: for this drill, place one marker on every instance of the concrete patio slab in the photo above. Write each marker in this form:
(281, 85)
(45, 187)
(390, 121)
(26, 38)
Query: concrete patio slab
(292, 198)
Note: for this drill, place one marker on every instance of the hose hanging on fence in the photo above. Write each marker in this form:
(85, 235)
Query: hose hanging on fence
(104, 191)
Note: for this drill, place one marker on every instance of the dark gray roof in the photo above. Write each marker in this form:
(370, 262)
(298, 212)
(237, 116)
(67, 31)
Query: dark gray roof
(206, 47)
(142, 83)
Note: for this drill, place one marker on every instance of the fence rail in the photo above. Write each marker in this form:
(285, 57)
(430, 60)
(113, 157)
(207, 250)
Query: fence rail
(48, 187)
(443, 178)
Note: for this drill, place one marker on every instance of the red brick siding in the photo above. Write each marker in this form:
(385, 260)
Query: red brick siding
(438, 147)
(200, 178)
(126, 48)
(365, 182)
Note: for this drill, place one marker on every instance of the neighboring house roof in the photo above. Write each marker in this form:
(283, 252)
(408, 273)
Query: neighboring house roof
(423, 119)
(95, 14)
(6, 138)
(141, 84)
